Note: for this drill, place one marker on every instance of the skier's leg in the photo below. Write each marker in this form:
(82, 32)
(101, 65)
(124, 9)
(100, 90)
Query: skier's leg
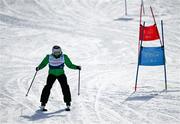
(46, 90)
(65, 89)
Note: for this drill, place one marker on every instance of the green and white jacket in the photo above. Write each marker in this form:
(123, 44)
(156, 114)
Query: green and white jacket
(56, 65)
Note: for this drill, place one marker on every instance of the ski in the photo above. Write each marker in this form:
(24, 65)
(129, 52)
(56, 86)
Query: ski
(67, 108)
(44, 110)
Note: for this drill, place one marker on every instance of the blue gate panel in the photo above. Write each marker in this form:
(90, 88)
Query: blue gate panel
(152, 56)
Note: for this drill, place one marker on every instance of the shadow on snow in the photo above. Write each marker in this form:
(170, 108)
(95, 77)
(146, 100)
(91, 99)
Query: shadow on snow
(143, 96)
(42, 115)
(125, 18)
(146, 96)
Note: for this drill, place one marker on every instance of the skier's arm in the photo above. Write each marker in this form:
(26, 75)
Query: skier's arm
(44, 62)
(69, 63)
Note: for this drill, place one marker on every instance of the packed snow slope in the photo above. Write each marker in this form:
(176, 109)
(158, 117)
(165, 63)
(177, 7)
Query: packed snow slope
(97, 35)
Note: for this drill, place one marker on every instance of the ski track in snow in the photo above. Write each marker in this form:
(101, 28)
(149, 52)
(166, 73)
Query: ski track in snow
(96, 35)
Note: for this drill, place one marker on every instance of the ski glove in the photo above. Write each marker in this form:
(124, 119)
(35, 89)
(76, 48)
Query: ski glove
(37, 68)
(78, 67)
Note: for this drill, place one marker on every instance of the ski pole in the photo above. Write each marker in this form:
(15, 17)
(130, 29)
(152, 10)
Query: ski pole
(79, 84)
(31, 83)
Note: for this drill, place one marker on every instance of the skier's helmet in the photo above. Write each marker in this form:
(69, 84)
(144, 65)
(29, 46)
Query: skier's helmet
(56, 50)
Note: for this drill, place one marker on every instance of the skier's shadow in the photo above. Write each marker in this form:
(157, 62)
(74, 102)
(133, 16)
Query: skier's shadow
(43, 115)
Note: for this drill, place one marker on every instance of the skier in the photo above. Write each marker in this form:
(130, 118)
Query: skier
(56, 62)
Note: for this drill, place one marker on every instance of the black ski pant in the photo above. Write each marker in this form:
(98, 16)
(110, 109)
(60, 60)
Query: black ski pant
(47, 88)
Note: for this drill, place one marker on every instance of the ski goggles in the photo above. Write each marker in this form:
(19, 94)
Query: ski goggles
(57, 52)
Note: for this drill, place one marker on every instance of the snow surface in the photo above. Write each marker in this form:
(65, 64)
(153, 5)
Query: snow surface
(96, 35)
